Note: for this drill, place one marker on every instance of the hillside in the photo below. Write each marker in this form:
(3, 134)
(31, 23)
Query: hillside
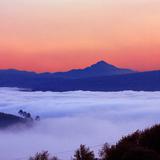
(7, 120)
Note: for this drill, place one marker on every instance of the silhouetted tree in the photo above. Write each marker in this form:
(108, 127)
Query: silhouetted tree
(140, 153)
(150, 138)
(103, 153)
(43, 156)
(37, 118)
(28, 115)
(20, 112)
(143, 145)
(54, 158)
(84, 153)
(25, 115)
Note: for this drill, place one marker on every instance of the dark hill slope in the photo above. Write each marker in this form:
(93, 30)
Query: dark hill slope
(7, 120)
(141, 145)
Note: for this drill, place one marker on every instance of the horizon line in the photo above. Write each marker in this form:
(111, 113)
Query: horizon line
(81, 68)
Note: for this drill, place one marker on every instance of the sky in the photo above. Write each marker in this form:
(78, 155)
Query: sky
(57, 35)
(69, 119)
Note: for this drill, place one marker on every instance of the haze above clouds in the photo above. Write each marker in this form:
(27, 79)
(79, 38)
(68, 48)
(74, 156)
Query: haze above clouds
(69, 119)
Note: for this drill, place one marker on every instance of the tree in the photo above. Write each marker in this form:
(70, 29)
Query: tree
(20, 112)
(84, 153)
(37, 118)
(43, 156)
(54, 158)
(150, 138)
(28, 115)
(140, 153)
(25, 115)
(103, 153)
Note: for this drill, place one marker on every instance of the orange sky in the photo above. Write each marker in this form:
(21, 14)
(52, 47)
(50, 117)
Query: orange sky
(57, 35)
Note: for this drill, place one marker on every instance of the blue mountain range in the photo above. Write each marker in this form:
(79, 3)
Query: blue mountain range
(101, 76)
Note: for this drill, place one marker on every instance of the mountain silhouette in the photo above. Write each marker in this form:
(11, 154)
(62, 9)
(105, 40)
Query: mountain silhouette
(101, 68)
(98, 77)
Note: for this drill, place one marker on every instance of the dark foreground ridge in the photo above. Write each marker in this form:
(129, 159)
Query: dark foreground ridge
(8, 120)
(141, 145)
(98, 77)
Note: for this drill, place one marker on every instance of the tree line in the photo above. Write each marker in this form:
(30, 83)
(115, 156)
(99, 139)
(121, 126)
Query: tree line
(28, 116)
(141, 145)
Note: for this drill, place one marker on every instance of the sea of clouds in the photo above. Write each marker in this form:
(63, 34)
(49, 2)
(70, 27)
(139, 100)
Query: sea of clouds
(69, 119)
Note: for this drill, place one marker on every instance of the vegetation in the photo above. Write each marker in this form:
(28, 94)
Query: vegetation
(7, 120)
(141, 145)
(28, 116)
(25, 118)
(43, 156)
(84, 153)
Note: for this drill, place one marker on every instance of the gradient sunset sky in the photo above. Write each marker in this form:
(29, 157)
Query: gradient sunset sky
(57, 35)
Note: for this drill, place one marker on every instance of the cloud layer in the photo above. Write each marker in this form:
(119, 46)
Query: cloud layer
(73, 118)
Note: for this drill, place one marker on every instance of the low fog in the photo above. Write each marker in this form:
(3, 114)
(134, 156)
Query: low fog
(69, 119)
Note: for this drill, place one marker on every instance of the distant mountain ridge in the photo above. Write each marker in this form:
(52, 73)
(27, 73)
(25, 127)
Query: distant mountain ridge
(101, 68)
(98, 77)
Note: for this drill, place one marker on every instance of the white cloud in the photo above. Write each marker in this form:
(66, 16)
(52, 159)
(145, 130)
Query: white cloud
(72, 118)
